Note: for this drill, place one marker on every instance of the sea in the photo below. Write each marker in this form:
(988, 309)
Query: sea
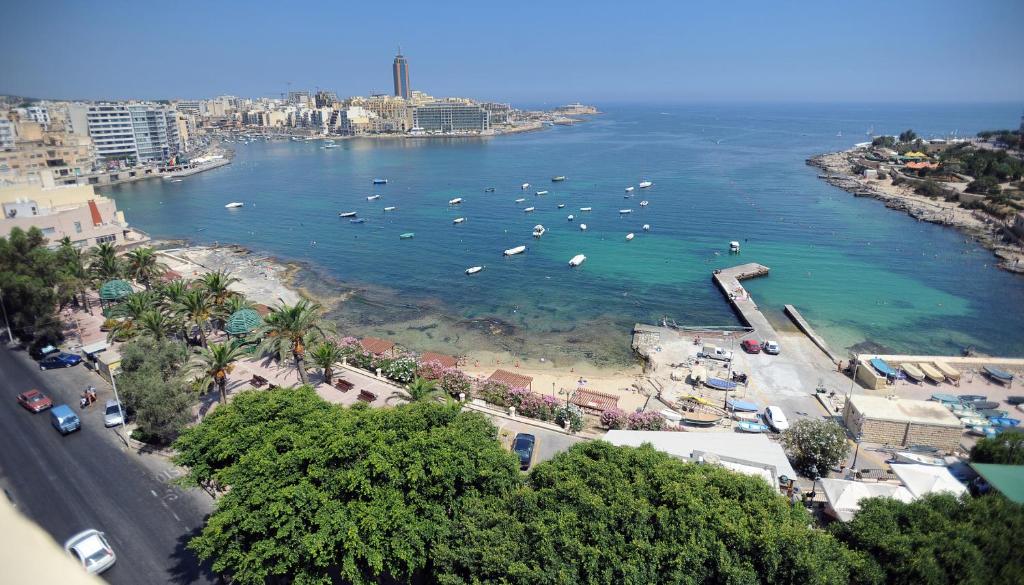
(866, 277)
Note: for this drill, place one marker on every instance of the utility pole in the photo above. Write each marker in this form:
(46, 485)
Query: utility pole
(7, 324)
(120, 409)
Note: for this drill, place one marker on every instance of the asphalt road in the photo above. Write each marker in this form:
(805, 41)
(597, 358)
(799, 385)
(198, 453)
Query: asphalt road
(89, 479)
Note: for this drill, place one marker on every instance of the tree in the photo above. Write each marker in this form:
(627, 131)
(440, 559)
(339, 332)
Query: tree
(196, 309)
(214, 363)
(172, 293)
(1006, 448)
(907, 136)
(143, 265)
(605, 514)
(288, 329)
(986, 185)
(318, 493)
(155, 324)
(939, 539)
(29, 276)
(815, 446)
(325, 356)
(130, 312)
(153, 387)
(216, 285)
(76, 277)
(420, 389)
(105, 264)
(884, 141)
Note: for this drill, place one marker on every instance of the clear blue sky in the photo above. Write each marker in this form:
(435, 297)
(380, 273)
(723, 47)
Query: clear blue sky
(535, 52)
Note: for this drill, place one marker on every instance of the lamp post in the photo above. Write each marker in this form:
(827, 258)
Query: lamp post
(856, 452)
(120, 409)
(853, 380)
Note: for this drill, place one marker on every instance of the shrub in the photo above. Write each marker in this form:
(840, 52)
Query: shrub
(454, 382)
(645, 421)
(493, 392)
(401, 369)
(573, 414)
(613, 419)
(815, 446)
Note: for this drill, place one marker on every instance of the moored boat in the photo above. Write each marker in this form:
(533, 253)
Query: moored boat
(390, 208)
(358, 220)
(585, 209)
(234, 205)
(541, 193)
(625, 211)
(489, 190)
(347, 213)
(583, 227)
(629, 189)
(520, 200)
(734, 246)
(407, 236)
(373, 197)
(644, 203)
(455, 201)
(458, 220)
(561, 205)
(931, 373)
(474, 269)
(571, 217)
(525, 186)
(647, 227)
(516, 250)
(912, 372)
(629, 237)
(645, 184)
(380, 181)
(558, 179)
(538, 231)
(529, 209)
(577, 260)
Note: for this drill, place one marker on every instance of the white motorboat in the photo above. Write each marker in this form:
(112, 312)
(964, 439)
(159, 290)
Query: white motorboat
(625, 211)
(647, 227)
(455, 201)
(541, 193)
(529, 209)
(629, 237)
(347, 214)
(577, 260)
(909, 457)
(586, 208)
(474, 269)
(525, 186)
(326, 146)
(629, 189)
(571, 217)
(373, 197)
(520, 200)
(380, 181)
(234, 205)
(390, 208)
(644, 203)
(561, 205)
(458, 220)
(645, 184)
(516, 250)
(538, 231)
(583, 227)
(734, 246)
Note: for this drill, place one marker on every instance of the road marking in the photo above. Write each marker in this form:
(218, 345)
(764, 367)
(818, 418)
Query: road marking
(154, 494)
(175, 516)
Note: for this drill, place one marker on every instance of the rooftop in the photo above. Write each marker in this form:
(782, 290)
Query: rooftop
(376, 346)
(1007, 479)
(904, 411)
(511, 379)
(445, 360)
(594, 400)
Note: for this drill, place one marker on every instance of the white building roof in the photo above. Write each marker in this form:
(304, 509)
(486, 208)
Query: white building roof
(921, 480)
(843, 496)
(746, 453)
(904, 411)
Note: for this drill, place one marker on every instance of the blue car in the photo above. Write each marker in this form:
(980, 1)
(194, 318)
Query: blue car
(522, 446)
(60, 360)
(64, 419)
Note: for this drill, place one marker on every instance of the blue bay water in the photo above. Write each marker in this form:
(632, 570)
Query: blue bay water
(858, 271)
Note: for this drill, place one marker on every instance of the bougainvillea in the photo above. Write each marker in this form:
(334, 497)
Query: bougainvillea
(645, 421)
(613, 419)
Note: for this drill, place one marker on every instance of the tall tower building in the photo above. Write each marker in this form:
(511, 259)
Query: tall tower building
(400, 70)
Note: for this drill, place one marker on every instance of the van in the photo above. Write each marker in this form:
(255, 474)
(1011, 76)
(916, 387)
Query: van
(715, 353)
(64, 419)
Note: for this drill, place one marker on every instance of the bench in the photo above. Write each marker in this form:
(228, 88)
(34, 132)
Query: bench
(343, 385)
(258, 381)
(367, 396)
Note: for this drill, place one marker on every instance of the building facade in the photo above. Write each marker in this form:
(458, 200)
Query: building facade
(59, 156)
(7, 135)
(134, 131)
(76, 212)
(449, 117)
(400, 71)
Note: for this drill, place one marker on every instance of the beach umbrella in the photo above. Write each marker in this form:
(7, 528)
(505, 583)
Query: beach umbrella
(243, 321)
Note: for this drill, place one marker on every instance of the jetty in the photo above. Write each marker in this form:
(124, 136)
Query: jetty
(728, 281)
(809, 331)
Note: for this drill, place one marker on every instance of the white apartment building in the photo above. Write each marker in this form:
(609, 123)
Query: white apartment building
(7, 134)
(133, 131)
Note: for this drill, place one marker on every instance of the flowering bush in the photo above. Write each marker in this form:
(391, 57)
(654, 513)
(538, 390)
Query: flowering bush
(431, 370)
(350, 346)
(613, 419)
(493, 392)
(645, 421)
(401, 369)
(536, 406)
(573, 414)
(454, 382)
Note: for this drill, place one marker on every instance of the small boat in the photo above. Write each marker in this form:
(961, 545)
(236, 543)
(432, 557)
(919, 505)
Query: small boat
(991, 413)
(647, 227)
(380, 181)
(577, 260)
(746, 426)
(585, 209)
(571, 217)
(973, 421)
(538, 231)
(373, 197)
(458, 220)
(348, 213)
(946, 398)
(407, 236)
(489, 190)
(541, 193)
(516, 250)
(455, 201)
(520, 200)
(1001, 376)
(359, 220)
(234, 205)
(883, 368)
(1002, 421)
(983, 405)
(1015, 400)
(558, 179)
(645, 184)
(951, 373)
(629, 237)
(629, 189)
(720, 384)
(627, 196)
(987, 431)
(734, 246)
(390, 208)
(525, 186)
(561, 205)
(326, 146)
(909, 457)
(701, 419)
(961, 411)
(474, 269)
(912, 372)
(671, 415)
(931, 373)
(625, 211)
(529, 209)
(972, 398)
(742, 405)
(644, 203)
(583, 227)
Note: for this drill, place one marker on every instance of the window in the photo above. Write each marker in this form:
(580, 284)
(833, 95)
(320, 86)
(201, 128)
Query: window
(78, 227)
(110, 238)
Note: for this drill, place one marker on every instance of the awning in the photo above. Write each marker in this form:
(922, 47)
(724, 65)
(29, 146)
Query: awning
(94, 347)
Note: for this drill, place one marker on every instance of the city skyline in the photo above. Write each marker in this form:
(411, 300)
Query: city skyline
(737, 53)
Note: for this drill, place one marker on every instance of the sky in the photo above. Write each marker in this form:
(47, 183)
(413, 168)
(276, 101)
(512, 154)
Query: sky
(520, 52)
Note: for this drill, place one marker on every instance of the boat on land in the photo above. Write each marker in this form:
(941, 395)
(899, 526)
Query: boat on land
(529, 209)
(991, 413)
(973, 421)
(982, 405)
(489, 190)
(630, 236)
(520, 200)
(585, 209)
(358, 220)
(373, 197)
(742, 405)
(987, 431)
(407, 236)
(390, 208)
(541, 193)
(644, 203)
(516, 250)
(951, 373)
(458, 220)
(747, 426)
(670, 415)
(720, 384)
(919, 458)
(1001, 376)
(625, 211)
(647, 227)
(912, 372)
(455, 201)
(972, 398)
(583, 227)
(630, 189)
(474, 269)
(931, 373)
(525, 186)
(645, 184)
(577, 260)
(883, 368)
(946, 398)
(380, 181)
(571, 217)
(734, 247)
(561, 205)
(348, 213)
(961, 410)
(558, 179)
(700, 412)
(234, 205)
(538, 230)
(1002, 421)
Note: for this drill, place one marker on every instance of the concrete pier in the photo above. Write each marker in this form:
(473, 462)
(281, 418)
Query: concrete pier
(728, 281)
(804, 326)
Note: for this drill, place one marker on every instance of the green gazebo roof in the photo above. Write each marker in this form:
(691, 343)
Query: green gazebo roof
(243, 321)
(115, 290)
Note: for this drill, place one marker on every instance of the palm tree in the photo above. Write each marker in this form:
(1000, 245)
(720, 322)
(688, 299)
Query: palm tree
(325, 356)
(156, 324)
(76, 278)
(195, 307)
(130, 312)
(288, 329)
(216, 285)
(172, 292)
(214, 363)
(420, 389)
(143, 265)
(105, 264)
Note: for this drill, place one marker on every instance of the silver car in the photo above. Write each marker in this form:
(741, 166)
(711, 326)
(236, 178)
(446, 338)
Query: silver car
(91, 548)
(113, 414)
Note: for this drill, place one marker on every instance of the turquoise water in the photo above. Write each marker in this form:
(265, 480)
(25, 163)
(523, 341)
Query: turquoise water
(859, 272)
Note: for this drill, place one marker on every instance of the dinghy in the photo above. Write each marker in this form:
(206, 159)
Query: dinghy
(455, 201)
(742, 405)
(525, 186)
(751, 427)
(234, 205)
(647, 227)
(407, 236)
(948, 371)
(520, 200)
(516, 250)
(584, 209)
(912, 372)
(529, 209)
(458, 220)
(629, 189)
(629, 237)
(931, 373)
(539, 193)
(644, 203)
(373, 197)
(347, 214)
(1001, 376)
(571, 217)
(645, 184)
(720, 384)
(625, 211)
(390, 208)
(359, 220)
(583, 227)
(474, 269)
(380, 181)
(561, 205)
(577, 260)
(558, 179)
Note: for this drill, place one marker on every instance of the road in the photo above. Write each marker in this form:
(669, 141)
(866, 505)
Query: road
(89, 479)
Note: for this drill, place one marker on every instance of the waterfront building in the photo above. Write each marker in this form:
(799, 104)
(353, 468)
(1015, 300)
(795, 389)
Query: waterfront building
(356, 120)
(325, 99)
(447, 117)
(499, 114)
(74, 211)
(393, 112)
(7, 135)
(57, 155)
(194, 107)
(156, 131)
(133, 131)
(400, 71)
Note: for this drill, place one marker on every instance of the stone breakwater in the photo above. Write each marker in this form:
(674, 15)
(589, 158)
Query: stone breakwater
(991, 233)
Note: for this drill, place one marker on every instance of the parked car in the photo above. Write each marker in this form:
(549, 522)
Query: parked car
(39, 353)
(64, 419)
(34, 401)
(113, 414)
(751, 346)
(60, 360)
(775, 418)
(715, 353)
(91, 548)
(523, 447)
(770, 347)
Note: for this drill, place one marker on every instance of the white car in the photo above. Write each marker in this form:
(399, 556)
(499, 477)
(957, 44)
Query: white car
(776, 419)
(113, 414)
(91, 548)
(770, 347)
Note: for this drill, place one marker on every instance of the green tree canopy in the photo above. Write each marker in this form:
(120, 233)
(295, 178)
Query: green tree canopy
(152, 386)
(1007, 448)
(908, 136)
(29, 276)
(815, 446)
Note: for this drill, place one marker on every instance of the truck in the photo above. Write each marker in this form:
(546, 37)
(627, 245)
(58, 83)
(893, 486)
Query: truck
(715, 353)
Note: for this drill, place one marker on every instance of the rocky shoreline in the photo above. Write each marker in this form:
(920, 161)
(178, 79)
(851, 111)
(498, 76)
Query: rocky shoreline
(989, 232)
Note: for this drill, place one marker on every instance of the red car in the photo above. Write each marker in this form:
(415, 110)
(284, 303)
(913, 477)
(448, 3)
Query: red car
(34, 401)
(751, 346)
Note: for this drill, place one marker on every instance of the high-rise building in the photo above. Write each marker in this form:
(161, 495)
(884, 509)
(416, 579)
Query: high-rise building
(400, 70)
(134, 131)
(446, 117)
